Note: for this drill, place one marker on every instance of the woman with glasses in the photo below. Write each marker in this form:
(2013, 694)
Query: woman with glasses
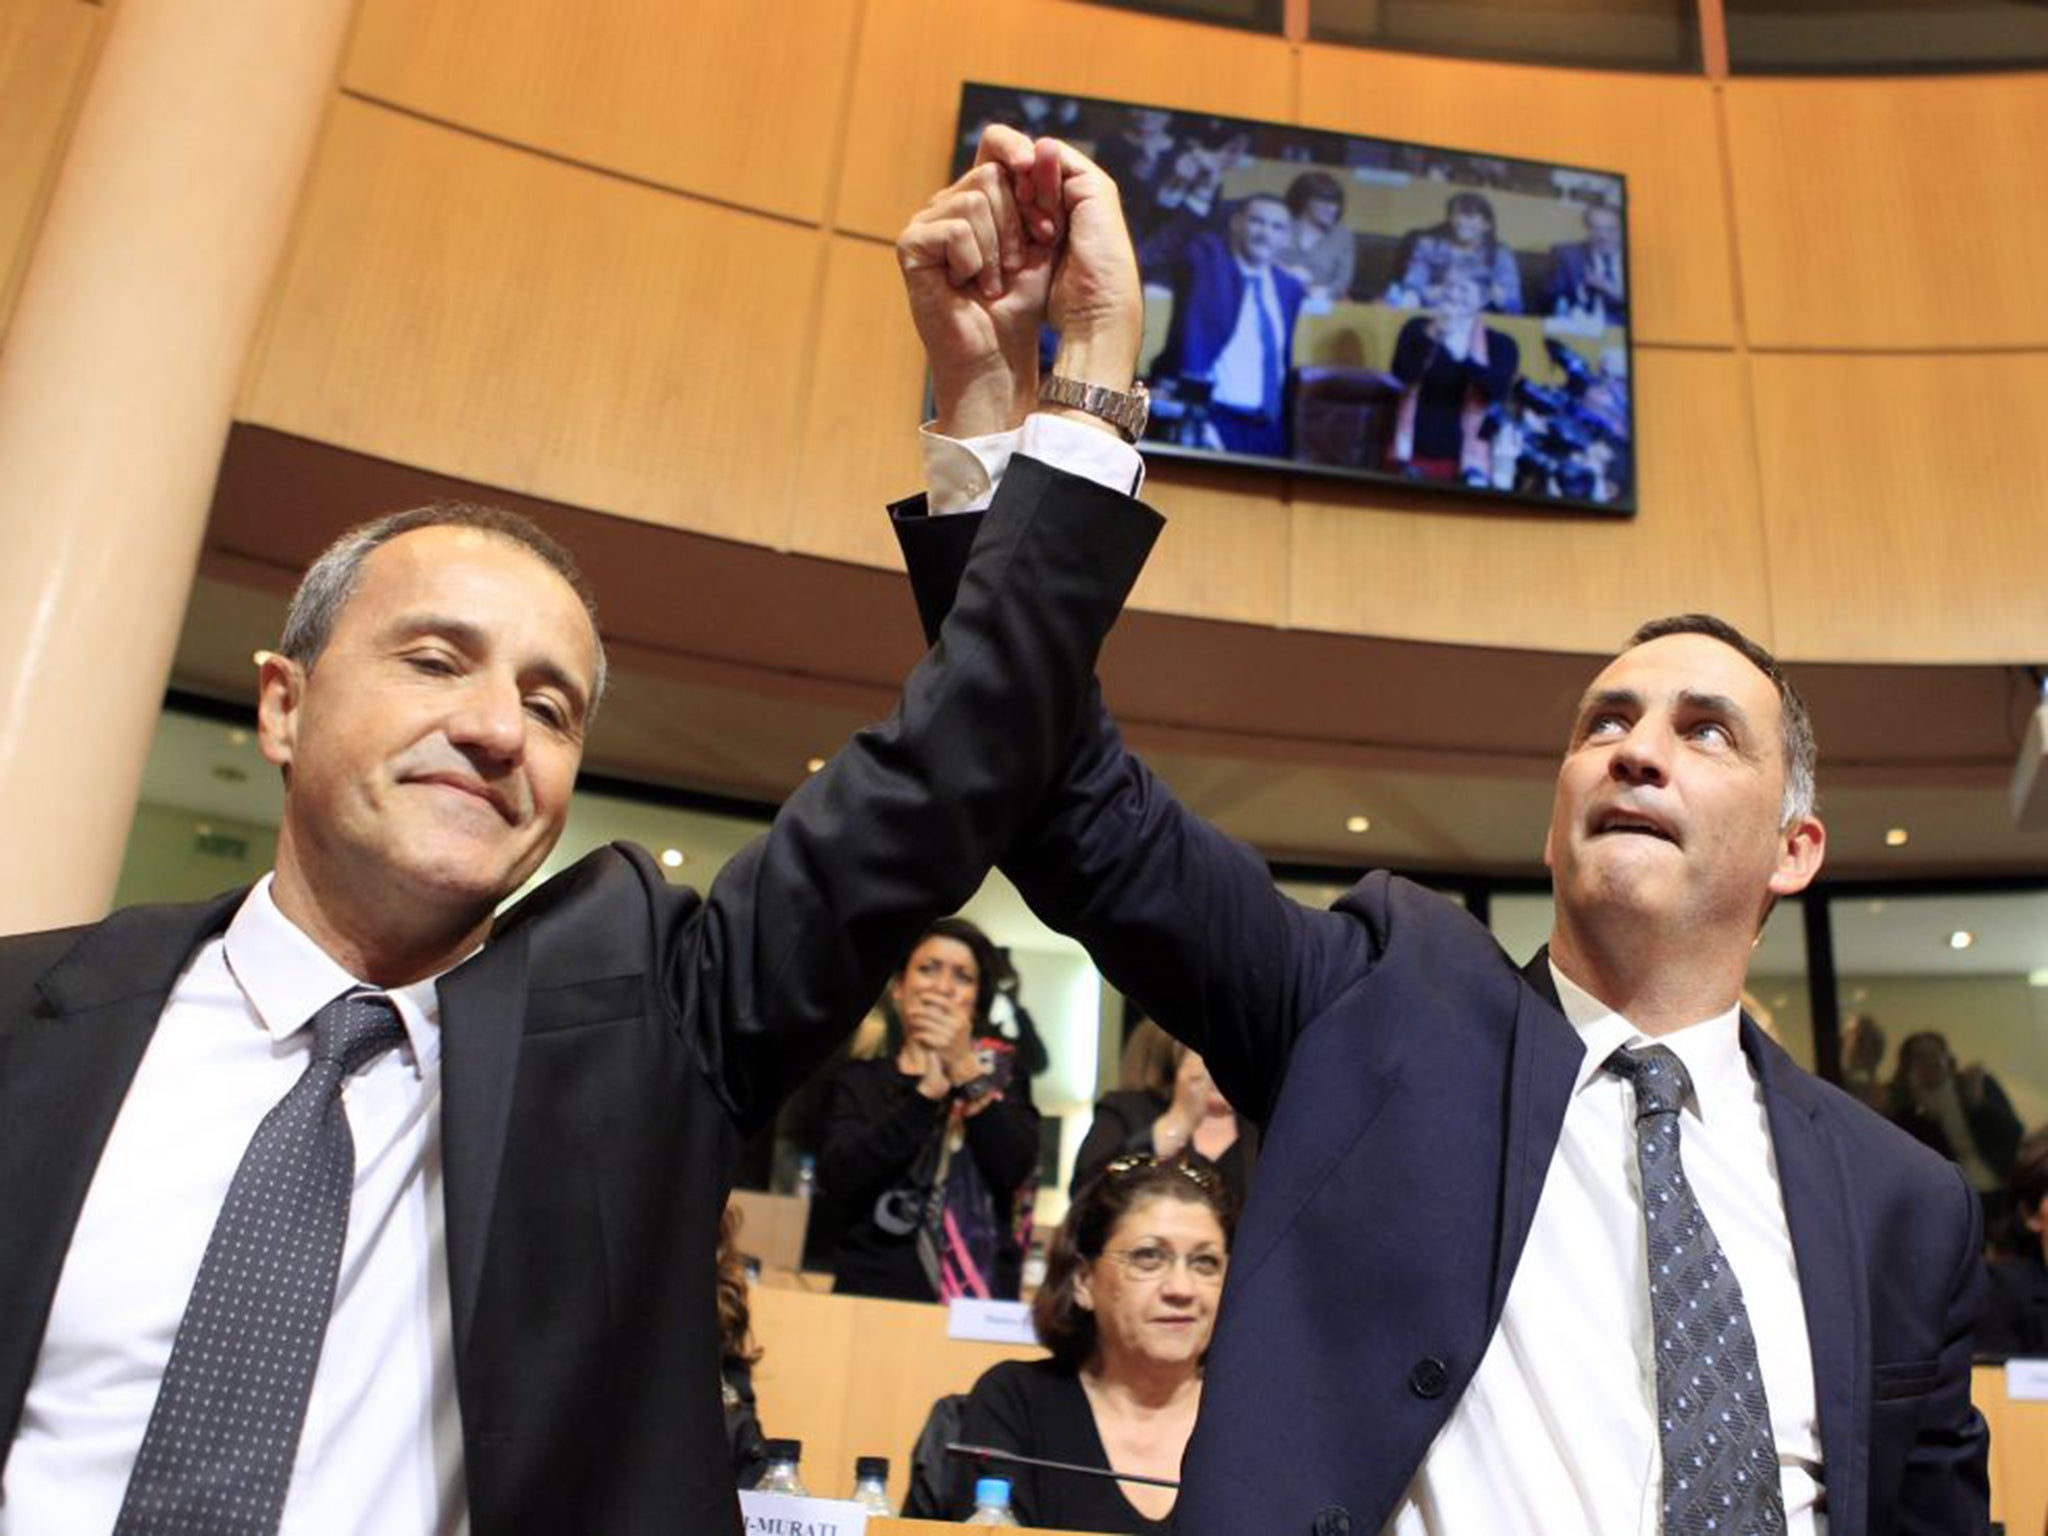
(1131, 1285)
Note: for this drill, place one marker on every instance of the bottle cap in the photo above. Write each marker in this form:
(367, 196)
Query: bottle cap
(870, 1466)
(785, 1450)
(992, 1490)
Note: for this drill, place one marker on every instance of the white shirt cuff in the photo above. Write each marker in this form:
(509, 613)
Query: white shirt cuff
(962, 473)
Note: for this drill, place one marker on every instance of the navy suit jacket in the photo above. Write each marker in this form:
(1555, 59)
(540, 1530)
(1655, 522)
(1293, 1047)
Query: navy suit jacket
(1206, 301)
(1574, 264)
(1412, 1082)
(606, 1050)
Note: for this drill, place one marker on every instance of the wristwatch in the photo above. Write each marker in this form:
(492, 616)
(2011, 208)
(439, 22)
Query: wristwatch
(1126, 410)
(975, 1089)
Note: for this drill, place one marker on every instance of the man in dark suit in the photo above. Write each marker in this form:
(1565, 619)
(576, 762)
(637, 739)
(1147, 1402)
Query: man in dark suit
(541, 1109)
(1447, 1312)
(1590, 276)
(1232, 331)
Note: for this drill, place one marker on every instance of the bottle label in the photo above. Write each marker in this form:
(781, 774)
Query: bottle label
(785, 1514)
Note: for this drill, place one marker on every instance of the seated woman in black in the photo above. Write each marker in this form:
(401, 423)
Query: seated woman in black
(930, 1149)
(1167, 1103)
(2015, 1320)
(1127, 1307)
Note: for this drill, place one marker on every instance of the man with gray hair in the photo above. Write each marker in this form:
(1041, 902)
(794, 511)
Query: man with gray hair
(346, 1204)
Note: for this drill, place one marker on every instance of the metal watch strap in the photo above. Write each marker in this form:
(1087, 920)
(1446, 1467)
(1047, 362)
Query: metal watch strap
(1126, 410)
(975, 1089)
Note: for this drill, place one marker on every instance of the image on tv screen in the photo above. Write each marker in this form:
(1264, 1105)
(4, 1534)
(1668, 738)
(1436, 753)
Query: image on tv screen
(1328, 304)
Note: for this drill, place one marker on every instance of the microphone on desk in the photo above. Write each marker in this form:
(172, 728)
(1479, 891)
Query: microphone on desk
(1012, 1458)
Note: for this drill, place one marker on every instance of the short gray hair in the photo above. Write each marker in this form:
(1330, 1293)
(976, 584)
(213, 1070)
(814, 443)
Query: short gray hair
(1795, 725)
(331, 580)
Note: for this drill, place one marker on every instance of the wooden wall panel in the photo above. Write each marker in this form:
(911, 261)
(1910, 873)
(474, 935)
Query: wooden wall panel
(915, 54)
(1425, 570)
(721, 97)
(859, 446)
(1658, 130)
(1904, 505)
(46, 49)
(491, 314)
(1892, 213)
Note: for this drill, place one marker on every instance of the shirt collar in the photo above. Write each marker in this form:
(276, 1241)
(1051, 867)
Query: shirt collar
(287, 978)
(1711, 1049)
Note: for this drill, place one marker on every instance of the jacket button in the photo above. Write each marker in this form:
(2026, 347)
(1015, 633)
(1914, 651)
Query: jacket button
(1333, 1520)
(1429, 1378)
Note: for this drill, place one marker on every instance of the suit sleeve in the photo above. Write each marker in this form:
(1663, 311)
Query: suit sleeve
(797, 934)
(1178, 916)
(1945, 1489)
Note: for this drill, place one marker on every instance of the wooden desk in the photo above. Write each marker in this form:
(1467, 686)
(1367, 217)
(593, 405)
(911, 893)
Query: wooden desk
(850, 1376)
(940, 1528)
(2019, 1453)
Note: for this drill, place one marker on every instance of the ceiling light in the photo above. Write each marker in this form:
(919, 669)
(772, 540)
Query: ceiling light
(1875, 908)
(674, 858)
(238, 737)
(1896, 837)
(1357, 823)
(812, 765)
(2038, 978)
(1962, 938)
(260, 657)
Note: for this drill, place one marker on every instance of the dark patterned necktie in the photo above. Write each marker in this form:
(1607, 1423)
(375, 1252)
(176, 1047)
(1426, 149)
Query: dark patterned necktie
(1720, 1461)
(217, 1457)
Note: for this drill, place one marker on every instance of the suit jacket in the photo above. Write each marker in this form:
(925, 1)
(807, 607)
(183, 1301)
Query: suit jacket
(1206, 300)
(1572, 266)
(1413, 1084)
(606, 1050)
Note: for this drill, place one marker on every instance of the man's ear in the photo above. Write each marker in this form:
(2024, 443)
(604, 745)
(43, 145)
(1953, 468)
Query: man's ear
(1801, 847)
(280, 698)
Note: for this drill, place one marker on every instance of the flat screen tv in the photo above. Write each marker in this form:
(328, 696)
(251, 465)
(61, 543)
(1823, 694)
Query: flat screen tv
(1324, 303)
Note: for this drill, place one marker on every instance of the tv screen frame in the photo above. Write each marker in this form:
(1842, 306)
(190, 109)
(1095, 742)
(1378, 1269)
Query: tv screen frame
(1368, 377)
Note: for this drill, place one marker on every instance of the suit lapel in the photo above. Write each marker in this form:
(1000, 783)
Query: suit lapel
(1546, 1056)
(483, 1016)
(1832, 1278)
(65, 1068)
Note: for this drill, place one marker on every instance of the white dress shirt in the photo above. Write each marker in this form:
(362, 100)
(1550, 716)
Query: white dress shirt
(1243, 367)
(381, 1454)
(1557, 1436)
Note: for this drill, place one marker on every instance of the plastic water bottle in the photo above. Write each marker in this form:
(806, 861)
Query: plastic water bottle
(806, 1177)
(991, 1503)
(782, 1475)
(871, 1484)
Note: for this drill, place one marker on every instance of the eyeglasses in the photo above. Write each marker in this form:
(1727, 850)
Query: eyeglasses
(1148, 1261)
(1202, 1175)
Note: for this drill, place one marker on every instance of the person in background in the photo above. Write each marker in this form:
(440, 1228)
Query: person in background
(1862, 1053)
(1959, 1111)
(1168, 1105)
(1131, 1284)
(1231, 338)
(737, 1356)
(1321, 251)
(1466, 244)
(929, 1150)
(2016, 1315)
(1590, 276)
(1455, 367)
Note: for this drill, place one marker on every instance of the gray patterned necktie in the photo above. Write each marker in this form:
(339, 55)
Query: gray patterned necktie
(1720, 1461)
(217, 1457)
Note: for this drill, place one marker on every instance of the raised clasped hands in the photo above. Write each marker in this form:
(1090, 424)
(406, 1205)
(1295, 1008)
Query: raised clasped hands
(1032, 234)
